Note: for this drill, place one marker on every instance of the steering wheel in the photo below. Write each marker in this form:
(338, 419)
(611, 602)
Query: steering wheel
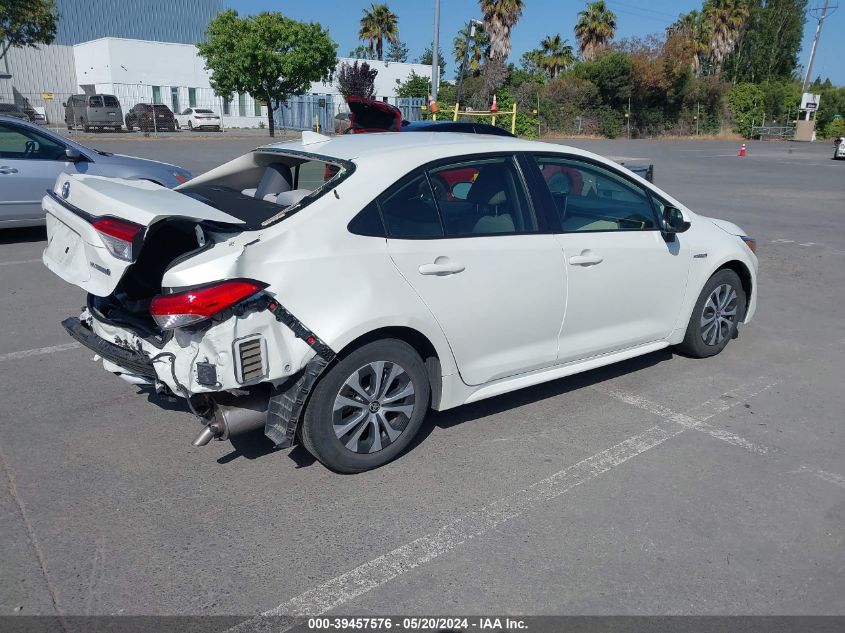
(29, 149)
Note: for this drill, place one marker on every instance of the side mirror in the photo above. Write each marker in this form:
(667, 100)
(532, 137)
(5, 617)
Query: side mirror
(72, 154)
(673, 221)
(64, 104)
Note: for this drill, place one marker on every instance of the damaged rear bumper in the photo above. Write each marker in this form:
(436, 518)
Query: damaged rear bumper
(134, 362)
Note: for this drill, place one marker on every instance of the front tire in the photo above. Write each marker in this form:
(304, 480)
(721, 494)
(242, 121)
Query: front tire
(718, 311)
(367, 408)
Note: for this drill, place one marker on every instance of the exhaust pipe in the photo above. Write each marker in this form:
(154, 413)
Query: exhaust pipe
(234, 415)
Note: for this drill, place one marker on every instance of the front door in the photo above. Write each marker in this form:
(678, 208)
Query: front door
(626, 283)
(466, 238)
(30, 162)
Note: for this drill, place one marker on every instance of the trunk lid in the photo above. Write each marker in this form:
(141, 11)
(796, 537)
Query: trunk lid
(77, 252)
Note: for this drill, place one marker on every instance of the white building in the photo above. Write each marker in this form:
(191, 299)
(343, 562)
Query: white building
(140, 71)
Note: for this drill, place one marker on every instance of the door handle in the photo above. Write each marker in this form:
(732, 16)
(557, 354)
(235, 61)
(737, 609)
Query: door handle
(441, 266)
(7, 170)
(586, 258)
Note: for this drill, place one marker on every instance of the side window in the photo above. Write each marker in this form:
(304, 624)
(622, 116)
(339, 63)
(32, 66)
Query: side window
(367, 222)
(482, 197)
(22, 143)
(410, 211)
(591, 198)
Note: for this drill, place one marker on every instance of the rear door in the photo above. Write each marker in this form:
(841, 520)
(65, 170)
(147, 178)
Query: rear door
(95, 112)
(113, 115)
(626, 282)
(466, 236)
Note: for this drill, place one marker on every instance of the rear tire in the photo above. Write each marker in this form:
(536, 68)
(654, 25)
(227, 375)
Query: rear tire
(85, 126)
(717, 312)
(190, 126)
(367, 408)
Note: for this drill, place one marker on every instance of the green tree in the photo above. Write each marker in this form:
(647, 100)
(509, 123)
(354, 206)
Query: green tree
(612, 74)
(356, 80)
(427, 58)
(361, 52)
(397, 52)
(26, 23)
(767, 49)
(595, 28)
(414, 86)
(690, 37)
(746, 102)
(500, 16)
(727, 19)
(478, 46)
(557, 54)
(269, 56)
(531, 62)
(379, 23)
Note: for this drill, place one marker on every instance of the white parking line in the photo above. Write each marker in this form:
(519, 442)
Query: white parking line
(38, 351)
(21, 261)
(687, 421)
(711, 408)
(378, 571)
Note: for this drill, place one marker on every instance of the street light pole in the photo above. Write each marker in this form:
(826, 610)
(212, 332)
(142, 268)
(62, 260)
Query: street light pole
(471, 26)
(435, 62)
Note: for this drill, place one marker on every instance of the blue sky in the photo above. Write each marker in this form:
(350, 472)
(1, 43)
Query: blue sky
(540, 18)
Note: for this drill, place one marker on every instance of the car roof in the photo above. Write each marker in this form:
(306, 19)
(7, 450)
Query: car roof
(422, 146)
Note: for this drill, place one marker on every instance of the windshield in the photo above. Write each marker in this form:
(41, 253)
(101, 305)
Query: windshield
(111, 102)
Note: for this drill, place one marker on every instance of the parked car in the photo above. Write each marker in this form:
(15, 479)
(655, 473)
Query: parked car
(98, 111)
(10, 109)
(32, 157)
(421, 271)
(839, 148)
(198, 119)
(141, 116)
(34, 116)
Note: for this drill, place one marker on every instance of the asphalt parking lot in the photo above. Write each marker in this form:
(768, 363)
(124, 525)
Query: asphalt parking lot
(663, 485)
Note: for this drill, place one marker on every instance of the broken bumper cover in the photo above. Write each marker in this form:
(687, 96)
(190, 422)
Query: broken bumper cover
(133, 361)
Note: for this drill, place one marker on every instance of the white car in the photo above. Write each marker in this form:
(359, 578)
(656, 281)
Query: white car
(331, 291)
(198, 119)
(839, 148)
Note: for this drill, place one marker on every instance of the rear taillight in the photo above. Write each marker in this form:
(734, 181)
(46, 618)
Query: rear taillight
(192, 306)
(120, 237)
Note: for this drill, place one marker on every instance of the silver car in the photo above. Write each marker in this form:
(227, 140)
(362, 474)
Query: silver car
(31, 158)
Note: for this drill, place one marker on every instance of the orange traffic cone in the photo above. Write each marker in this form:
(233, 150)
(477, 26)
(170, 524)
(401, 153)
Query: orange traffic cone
(494, 107)
(741, 153)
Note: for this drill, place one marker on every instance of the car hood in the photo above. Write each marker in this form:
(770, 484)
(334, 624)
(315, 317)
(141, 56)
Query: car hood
(727, 227)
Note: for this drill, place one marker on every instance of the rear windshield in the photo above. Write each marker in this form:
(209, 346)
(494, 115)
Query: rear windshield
(95, 102)
(161, 108)
(198, 111)
(111, 102)
(269, 193)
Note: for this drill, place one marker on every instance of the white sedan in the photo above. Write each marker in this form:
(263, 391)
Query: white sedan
(198, 119)
(332, 291)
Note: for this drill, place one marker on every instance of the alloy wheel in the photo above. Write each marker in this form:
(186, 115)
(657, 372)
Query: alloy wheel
(373, 407)
(719, 315)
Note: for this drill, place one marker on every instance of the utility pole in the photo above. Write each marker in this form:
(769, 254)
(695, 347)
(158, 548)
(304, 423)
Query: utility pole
(628, 116)
(435, 62)
(821, 16)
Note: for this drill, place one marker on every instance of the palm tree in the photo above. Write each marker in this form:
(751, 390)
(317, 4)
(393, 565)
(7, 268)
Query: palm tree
(379, 23)
(726, 18)
(556, 54)
(596, 26)
(691, 28)
(477, 49)
(500, 16)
